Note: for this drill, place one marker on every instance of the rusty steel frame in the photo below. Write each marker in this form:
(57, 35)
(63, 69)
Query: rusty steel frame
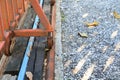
(12, 18)
(51, 57)
(50, 66)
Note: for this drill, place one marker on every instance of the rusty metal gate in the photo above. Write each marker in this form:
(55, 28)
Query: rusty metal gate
(10, 13)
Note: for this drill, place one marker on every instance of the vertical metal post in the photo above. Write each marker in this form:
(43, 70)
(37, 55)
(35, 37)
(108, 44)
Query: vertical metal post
(10, 13)
(1, 31)
(15, 10)
(22, 3)
(4, 14)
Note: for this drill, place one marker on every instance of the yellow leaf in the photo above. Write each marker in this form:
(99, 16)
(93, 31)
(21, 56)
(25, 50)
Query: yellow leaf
(83, 35)
(116, 15)
(95, 23)
(88, 73)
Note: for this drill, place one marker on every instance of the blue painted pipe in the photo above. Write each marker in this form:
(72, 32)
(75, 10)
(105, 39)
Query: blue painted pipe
(22, 72)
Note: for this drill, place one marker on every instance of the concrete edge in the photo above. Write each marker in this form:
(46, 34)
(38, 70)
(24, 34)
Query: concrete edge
(58, 44)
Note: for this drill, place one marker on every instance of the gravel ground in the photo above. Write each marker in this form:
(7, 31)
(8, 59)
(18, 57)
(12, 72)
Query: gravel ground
(97, 56)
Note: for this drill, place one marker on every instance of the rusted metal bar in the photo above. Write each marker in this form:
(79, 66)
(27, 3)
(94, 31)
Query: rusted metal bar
(4, 14)
(1, 33)
(15, 10)
(30, 32)
(22, 4)
(40, 13)
(19, 3)
(15, 7)
(50, 67)
(53, 20)
(2, 47)
(51, 57)
(1, 30)
(10, 14)
(26, 4)
(7, 43)
(10, 10)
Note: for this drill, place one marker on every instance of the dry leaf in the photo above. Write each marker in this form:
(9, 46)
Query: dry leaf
(81, 48)
(108, 62)
(116, 15)
(105, 48)
(80, 64)
(93, 24)
(88, 73)
(117, 46)
(29, 75)
(67, 63)
(83, 35)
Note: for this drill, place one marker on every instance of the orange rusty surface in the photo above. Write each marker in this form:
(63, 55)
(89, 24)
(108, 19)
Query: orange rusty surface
(10, 11)
(7, 43)
(2, 46)
(53, 21)
(53, 16)
(30, 32)
(4, 14)
(12, 25)
(38, 9)
(51, 58)
(50, 42)
(20, 6)
(1, 31)
(15, 7)
(51, 67)
(26, 4)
